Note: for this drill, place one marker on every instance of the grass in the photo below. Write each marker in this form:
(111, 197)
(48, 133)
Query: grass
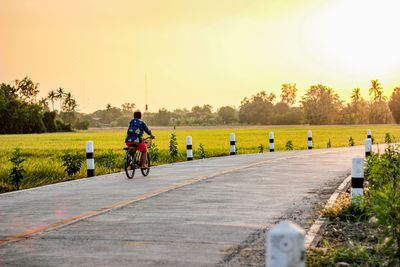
(43, 152)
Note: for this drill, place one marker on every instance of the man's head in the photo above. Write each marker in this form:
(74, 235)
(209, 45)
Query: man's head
(137, 114)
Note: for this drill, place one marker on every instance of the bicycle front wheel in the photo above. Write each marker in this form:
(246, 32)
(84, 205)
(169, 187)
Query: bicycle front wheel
(129, 167)
(145, 172)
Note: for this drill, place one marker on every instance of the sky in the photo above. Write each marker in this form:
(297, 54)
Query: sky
(195, 52)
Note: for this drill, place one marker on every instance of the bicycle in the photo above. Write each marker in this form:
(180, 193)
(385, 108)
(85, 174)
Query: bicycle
(132, 160)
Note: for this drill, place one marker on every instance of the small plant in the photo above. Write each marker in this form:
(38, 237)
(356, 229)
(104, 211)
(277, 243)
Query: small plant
(372, 139)
(260, 148)
(351, 141)
(72, 162)
(173, 148)
(344, 211)
(388, 138)
(202, 152)
(17, 171)
(289, 145)
(329, 145)
(108, 159)
(154, 152)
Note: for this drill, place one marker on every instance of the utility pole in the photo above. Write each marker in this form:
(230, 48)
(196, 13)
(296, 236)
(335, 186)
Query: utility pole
(145, 91)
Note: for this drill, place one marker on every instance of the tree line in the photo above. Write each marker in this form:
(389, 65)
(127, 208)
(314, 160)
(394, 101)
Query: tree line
(22, 112)
(320, 105)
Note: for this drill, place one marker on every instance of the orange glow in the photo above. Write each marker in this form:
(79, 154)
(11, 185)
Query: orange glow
(197, 52)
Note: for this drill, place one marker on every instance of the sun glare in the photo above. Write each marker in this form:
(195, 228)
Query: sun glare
(355, 36)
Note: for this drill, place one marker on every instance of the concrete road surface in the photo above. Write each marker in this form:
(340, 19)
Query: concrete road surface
(183, 214)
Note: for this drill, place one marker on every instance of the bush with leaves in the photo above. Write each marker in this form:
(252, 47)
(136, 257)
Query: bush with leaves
(351, 141)
(388, 138)
(201, 151)
(173, 148)
(72, 162)
(329, 144)
(289, 145)
(260, 148)
(384, 195)
(154, 152)
(108, 159)
(17, 171)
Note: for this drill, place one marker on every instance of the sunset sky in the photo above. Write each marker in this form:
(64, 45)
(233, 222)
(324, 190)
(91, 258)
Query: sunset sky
(197, 52)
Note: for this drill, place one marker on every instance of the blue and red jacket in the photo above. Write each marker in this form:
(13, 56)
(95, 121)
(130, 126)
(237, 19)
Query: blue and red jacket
(135, 131)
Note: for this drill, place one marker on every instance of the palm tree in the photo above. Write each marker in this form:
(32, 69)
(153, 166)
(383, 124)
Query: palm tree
(108, 107)
(356, 95)
(69, 103)
(60, 95)
(52, 95)
(43, 103)
(376, 89)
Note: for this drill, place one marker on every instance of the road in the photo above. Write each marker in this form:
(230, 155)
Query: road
(184, 214)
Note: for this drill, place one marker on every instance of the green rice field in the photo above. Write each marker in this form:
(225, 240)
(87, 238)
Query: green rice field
(43, 152)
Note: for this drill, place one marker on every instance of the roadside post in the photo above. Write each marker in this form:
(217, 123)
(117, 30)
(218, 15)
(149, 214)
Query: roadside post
(309, 134)
(90, 158)
(357, 178)
(285, 245)
(189, 148)
(233, 144)
(271, 142)
(368, 147)
(369, 133)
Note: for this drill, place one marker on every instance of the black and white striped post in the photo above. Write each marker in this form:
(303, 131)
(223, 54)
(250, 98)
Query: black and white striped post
(233, 144)
(271, 142)
(369, 133)
(90, 158)
(309, 134)
(368, 147)
(357, 178)
(189, 148)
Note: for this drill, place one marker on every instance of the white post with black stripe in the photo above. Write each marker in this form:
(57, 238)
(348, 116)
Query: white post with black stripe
(285, 245)
(189, 148)
(271, 142)
(357, 178)
(90, 158)
(368, 147)
(309, 134)
(369, 133)
(233, 144)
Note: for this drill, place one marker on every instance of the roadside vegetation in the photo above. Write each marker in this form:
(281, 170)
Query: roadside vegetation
(367, 233)
(54, 157)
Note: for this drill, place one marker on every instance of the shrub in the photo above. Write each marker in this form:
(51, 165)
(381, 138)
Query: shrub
(201, 151)
(17, 171)
(351, 141)
(173, 148)
(261, 148)
(81, 124)
(72, 162)
(289, 145)
(329, 145)
(108, 159)
(384, 194)
(154, 152)
(388, 138)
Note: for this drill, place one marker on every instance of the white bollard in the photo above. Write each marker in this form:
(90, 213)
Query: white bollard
(271, 142)
(309, 133)
(233, 144)
(368, 147)
(285, 245)
(90, 158)
(368, 133)
(189, 148)
(357, 177)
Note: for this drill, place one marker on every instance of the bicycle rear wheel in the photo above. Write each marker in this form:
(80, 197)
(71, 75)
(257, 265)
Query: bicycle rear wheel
(145, 172)
(129, 166)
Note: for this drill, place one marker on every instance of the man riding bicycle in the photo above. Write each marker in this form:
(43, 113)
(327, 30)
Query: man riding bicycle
(134, 136)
